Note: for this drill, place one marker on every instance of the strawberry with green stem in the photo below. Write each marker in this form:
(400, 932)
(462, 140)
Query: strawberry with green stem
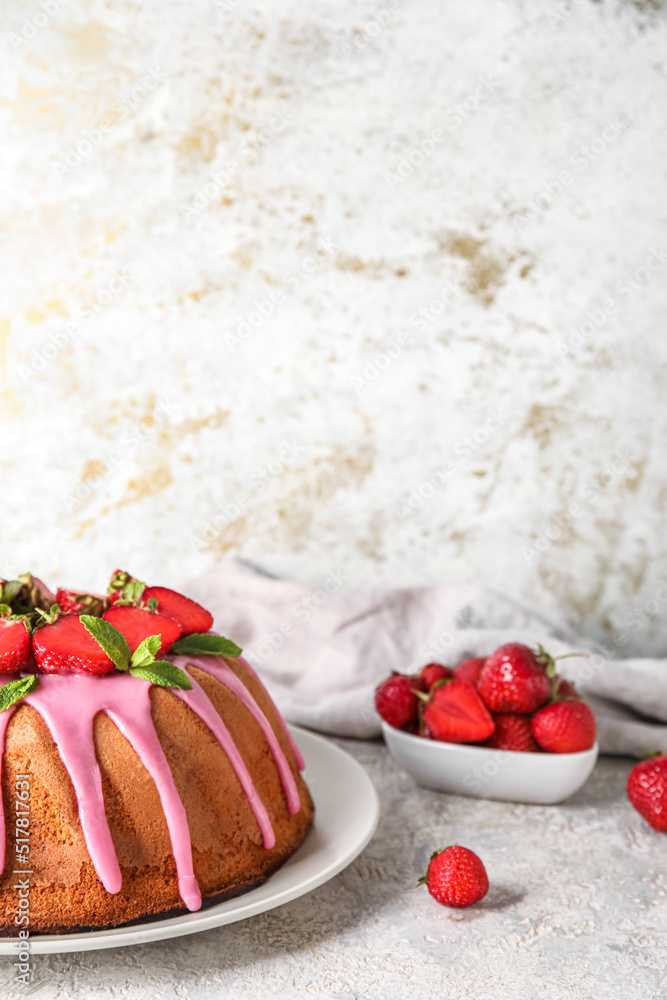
(456, 877)
(126, 589)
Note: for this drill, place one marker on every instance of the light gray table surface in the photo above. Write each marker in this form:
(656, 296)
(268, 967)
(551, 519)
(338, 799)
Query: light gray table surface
(575, 910)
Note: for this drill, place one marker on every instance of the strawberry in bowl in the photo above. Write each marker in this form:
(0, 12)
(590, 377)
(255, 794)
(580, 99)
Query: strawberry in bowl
(504, 727)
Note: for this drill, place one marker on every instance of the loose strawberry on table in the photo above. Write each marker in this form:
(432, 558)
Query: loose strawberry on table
(137, 624)
(513, 680)
(456, 877)
(647, 791)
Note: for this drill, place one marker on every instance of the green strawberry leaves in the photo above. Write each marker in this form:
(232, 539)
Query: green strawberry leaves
(141, 663)
(130, 588)
(10, 693)
(206, 644)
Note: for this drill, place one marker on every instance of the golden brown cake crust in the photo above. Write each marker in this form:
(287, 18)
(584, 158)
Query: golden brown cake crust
(229, 858)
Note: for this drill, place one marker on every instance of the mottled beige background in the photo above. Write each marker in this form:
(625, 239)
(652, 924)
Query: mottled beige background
(169, 167)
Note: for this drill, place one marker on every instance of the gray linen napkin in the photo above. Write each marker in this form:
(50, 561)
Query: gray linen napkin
(322, 651)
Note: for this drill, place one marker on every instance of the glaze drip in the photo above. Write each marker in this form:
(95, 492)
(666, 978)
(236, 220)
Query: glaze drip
(68, 704)
(225, 675)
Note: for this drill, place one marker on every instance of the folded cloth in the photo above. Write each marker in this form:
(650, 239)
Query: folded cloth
(322, 651)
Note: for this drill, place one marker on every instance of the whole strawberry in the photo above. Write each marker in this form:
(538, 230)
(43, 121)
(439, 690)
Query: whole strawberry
(470, 670)
(433, 672)
(396, 702)
(647, 790)
(563, 689)
(513, 732)
(564, 727)
(456, 877)
(454, 713)
(513, 680)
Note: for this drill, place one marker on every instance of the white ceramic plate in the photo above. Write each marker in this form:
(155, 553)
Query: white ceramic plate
(347, 810)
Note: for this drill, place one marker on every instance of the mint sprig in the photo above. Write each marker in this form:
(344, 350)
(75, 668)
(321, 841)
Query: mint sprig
(112, 641)
(12, 692)
(141, 663)
(146, 651)
(206, 644)
(164, 674)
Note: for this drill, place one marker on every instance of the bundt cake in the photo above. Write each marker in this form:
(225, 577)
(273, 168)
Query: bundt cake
(134, 787)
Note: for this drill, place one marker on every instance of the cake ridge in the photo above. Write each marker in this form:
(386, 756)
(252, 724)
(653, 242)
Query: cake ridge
(225, 675)
(70, 721)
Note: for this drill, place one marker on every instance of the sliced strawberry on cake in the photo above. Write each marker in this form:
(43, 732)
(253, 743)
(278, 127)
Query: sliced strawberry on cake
(126, 589)
(80, 603)
(190, 616)
(15, 646)
(137, 624)
(65, 644)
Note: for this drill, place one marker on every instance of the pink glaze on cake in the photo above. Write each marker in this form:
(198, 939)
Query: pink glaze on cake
(225, 675)
(68, 704)
(300, 762)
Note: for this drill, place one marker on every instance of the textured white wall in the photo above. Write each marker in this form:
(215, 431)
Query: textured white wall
(496, 165)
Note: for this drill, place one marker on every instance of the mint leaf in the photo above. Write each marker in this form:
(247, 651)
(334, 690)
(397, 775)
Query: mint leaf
(10, 693)
(206, 644)
(164, 674)
(146, 650)
(110, 639)
(5, 610)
